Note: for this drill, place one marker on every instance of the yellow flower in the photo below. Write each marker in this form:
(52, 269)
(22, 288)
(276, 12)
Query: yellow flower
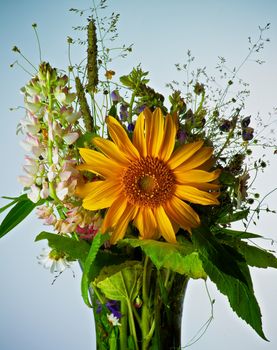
(146, 181)
(109, 74)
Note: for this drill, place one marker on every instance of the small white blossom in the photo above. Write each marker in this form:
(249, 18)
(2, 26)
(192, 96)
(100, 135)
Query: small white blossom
(51, 259)
(113, 320)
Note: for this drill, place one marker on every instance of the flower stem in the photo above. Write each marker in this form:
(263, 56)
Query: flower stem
(132, 323)
(123, 327)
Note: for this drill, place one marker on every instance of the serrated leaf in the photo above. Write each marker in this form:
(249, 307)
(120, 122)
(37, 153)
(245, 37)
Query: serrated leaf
(177, 257)
(256, 257)
(231, 217)
(239, 293)
(120, 282)
(75, 250)
(234, 233)
(97, 242)
(125, 80)
(18, 213)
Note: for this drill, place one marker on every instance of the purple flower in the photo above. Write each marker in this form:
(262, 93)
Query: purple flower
(247, 134)
(181, 136)
(112, 306)
(225, 125)
(123, 112)
(245, 122)
(131, 127)
(115, 96)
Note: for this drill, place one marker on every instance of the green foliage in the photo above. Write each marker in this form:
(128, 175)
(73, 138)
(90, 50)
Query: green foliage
(120, 282)
(23, 206)
(233, 233)
(231, 217)
(135, 78)
(88, 267)
(75, 250)
(231, 275)
(179, 257)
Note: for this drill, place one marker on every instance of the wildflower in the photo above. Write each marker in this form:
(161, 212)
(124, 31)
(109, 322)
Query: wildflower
(131, 127)
(54, 260)
(247, 134)
(145, 181)
(113, 320)
(109, 74)
(115, 96)
(225, 125)
(245, 122)
(47, 214)
(123, 112)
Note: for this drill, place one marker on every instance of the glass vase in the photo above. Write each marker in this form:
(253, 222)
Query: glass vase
(150, 320)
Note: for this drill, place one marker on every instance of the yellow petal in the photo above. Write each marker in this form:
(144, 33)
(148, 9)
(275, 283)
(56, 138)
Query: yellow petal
(120, 229)
(111, 150)
(183, 153)
(196, 196)
(121, 139)
(139, 140)
(199, 158)
(204, 186)
(146, 223)
(164, 225)
(156, 133)
(106, 171)
(100, 194)
(169, 138)
(196, 176)
(114, 213)
(182, 213)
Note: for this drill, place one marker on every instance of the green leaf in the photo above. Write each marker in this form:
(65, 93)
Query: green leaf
(255, 256)
(112, 111)
(233, 233)
(75, 250)
(23, 207)
(230, 217)
(238, 290)
(120, 282)
(88, 267)
(177, 257)
(14, 200)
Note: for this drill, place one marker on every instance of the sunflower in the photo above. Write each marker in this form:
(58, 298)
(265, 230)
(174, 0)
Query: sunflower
(145, 180)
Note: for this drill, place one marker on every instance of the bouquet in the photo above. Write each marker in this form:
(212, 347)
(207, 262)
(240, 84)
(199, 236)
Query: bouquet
(142, 189)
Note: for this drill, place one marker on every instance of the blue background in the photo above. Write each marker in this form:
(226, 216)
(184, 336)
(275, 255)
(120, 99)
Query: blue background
(33, 313)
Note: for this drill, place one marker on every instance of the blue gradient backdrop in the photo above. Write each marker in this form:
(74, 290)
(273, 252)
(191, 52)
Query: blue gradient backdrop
(34, 315)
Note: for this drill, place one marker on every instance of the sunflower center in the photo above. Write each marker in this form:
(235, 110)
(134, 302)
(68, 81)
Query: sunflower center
(148, 182)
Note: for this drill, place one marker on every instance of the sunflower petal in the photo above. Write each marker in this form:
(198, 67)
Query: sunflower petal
(146, 223)
(100, 194)
(121, 139)
(120, 229)
(183, 153)
(199, 158)
(156, 133)
(111, 150)
(139, 140)
(196, 176)
(114, 213)
(204, 186)
(164, 225)
(169, 138)
(196, 196)
(97, 163)
(182, 213)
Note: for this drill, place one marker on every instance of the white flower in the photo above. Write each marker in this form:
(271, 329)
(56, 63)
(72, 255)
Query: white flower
(113, 320)
(34, 194)
(53, 260)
